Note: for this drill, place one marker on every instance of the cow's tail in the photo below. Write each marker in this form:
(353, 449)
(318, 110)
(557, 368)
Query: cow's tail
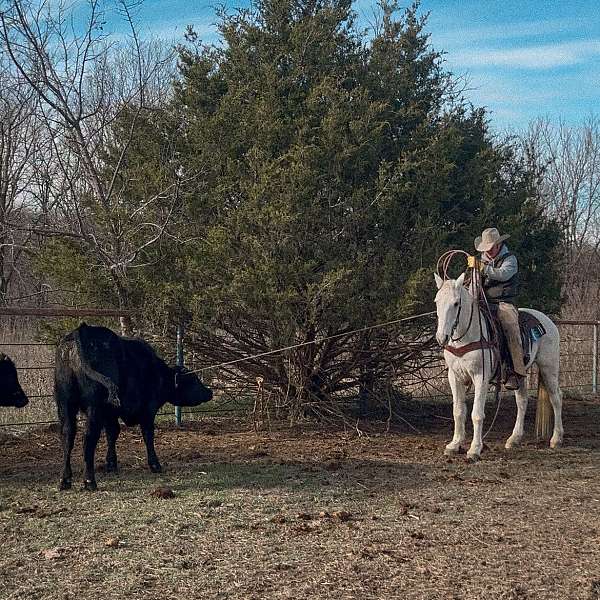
(107, 382)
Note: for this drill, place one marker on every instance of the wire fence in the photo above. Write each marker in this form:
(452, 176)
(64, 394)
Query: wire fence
(34, 361)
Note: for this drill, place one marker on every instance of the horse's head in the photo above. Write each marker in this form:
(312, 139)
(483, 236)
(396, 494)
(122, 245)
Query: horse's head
(452, 299)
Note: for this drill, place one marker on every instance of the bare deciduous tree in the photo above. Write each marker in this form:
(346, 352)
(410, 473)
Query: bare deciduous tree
(92, 96)
(19, 126)
(567, 160)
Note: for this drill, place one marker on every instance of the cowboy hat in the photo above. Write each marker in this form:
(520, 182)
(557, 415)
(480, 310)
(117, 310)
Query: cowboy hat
(489, 238)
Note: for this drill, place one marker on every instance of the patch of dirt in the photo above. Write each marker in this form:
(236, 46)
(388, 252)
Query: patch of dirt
(307, 512)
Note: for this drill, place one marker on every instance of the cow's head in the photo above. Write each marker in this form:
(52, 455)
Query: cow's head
(11, 393)
(189, 390)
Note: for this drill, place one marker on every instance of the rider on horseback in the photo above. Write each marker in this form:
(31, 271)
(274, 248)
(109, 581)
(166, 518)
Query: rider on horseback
(499, 268)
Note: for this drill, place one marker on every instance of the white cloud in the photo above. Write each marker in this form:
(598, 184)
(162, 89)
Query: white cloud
(176, 28)
(488, 93)
(545, 56)
(500, 31)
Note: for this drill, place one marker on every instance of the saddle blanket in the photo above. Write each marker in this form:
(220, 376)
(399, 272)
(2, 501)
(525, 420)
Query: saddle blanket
(531, 331)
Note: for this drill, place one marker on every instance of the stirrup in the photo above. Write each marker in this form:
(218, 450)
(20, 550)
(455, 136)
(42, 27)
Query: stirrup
(513, 381)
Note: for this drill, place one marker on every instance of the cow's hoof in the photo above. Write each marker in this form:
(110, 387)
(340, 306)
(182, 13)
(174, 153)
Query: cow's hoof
(90, 486)
(111, 467)
(155, 467)
(65, 484)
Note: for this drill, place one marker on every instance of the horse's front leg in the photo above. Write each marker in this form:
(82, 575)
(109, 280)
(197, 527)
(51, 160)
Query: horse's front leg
(459, 411)
(477, 416)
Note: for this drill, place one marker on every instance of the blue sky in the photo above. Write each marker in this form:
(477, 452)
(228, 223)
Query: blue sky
(522, 58)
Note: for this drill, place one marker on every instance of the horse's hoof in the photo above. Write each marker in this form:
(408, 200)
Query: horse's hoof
(111, 467)
(65, 484)
(473, 458)
(451, 451)
(90, 486)
(155, 468)
(555, 445)
(512, 444)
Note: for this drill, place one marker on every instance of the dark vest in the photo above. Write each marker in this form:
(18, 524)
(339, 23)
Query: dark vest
(501, 291)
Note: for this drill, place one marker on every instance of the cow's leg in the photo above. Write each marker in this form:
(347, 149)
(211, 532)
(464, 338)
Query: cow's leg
(66, 397)
(92, 435)
(68, 426)
(112, 433)
(459, 412)
(477, 416)
(148, 434)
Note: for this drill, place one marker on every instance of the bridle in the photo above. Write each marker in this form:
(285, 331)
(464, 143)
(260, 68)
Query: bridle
(457, 321)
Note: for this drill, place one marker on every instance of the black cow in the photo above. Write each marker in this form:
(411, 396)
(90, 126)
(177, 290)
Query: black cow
(108, 377)
(11, 393)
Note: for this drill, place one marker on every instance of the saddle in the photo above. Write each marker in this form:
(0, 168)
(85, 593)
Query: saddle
(531, 330)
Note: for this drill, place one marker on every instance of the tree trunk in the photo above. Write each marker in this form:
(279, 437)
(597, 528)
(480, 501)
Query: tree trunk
(366, 379)
(4, 279)
(126, 321)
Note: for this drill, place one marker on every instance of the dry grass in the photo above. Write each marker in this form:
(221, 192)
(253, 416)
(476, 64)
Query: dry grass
(246, 522)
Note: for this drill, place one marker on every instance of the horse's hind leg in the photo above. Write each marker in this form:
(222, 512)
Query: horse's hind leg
(557, 435)
(521, 400)
(550, 381)
(459, 410)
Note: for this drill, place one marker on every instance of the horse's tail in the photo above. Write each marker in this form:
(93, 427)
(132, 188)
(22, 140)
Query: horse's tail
(543, 412)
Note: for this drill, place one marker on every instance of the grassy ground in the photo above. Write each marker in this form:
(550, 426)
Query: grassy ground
(307, 514)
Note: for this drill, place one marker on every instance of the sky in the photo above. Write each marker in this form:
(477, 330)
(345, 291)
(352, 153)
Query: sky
(521, 59)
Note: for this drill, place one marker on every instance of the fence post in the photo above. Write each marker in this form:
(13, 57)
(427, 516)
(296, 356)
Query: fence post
(179, 363)
(595, 360)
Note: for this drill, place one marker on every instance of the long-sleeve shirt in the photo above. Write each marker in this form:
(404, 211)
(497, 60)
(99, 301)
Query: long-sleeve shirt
(509, 267)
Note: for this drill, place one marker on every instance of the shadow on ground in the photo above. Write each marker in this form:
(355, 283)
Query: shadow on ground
(225, 454)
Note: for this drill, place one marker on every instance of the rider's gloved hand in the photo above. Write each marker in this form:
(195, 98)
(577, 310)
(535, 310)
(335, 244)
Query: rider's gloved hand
(473, 263)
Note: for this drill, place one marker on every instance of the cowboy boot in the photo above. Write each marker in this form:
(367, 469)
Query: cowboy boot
(509, 319)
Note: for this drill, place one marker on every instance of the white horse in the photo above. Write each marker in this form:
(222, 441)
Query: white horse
(459, 326)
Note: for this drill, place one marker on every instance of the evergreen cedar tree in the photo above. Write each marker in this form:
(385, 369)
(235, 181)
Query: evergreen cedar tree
(334, 166)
